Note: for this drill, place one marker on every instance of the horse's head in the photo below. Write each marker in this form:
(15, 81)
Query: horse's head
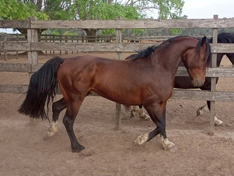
(196, 59)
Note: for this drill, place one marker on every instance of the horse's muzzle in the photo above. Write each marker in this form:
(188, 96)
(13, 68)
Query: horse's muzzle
(197, 82)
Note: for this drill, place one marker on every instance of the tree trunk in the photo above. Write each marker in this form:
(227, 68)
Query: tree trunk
(91, 35)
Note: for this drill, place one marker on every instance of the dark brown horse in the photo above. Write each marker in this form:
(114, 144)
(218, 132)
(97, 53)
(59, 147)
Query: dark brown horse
(144, 79)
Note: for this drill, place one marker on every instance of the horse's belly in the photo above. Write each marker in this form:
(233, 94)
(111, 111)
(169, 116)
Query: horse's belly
(121, 97)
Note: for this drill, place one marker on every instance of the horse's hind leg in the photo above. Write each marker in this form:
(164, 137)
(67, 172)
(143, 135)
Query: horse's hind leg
(68, 121)
(57, 107)
(201, 110)
(140, 111)
(142, 114)
(206, 107)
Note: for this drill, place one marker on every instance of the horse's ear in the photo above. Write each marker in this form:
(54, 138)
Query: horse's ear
(203, 41)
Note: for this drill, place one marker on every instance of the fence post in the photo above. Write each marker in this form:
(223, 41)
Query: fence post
(53, 42)
(3, 38)
(66, 52)
(32, 36)
(213, 80)
(46, 36)
(60, 40)
(118, 56)
(17, 39)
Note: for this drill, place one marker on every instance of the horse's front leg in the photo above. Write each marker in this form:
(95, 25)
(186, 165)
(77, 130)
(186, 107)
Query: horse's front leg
(57, 107)
(157, 112)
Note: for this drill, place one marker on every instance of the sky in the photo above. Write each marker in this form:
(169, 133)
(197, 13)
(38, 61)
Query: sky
(205, 9)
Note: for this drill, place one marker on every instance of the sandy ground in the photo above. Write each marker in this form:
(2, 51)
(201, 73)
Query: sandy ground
(109, 152)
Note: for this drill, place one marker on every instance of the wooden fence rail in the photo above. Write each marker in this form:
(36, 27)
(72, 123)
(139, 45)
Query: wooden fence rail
(32, 45)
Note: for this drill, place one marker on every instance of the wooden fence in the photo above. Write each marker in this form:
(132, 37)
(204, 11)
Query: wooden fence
(48, 38)
(33, 45)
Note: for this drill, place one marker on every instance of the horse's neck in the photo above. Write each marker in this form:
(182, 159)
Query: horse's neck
(170, 54)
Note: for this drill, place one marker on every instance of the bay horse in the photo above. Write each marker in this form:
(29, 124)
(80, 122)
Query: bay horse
(184, 82)
(144, 79)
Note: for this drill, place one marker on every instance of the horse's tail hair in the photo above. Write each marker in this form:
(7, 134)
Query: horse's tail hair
(42, 87)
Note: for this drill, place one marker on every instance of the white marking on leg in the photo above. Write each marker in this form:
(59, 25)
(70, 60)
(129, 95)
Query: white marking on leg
(133, 113)
(143, 115)
(166, 143)
(53, 129)
(202, 109)
(141, 139)
(134, 110)
(217, 122)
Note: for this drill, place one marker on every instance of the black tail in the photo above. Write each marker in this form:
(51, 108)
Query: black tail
(42, 88)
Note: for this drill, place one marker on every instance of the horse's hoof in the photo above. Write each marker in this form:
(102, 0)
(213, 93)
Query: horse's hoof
(199, 112)
(218, 122)
(173, 148)
(89, 152)
(220, 125)
(145, 117)
(141, 139)
(78, 149)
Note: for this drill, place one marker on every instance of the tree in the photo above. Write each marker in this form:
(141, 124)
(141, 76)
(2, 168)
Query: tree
(18, 10)
(130, 9)
(89, 9)
(103, 10)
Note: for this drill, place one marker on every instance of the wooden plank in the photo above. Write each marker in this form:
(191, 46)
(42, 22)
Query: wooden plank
(13, 88)
(222, 48)
(81, 47)
(177, 93)
(25, 67)
(133, 24)
(211, 72)
(92, 47)
(89, 47)
(11, 67)
(24, 24)
(202, 95)
(16, 46)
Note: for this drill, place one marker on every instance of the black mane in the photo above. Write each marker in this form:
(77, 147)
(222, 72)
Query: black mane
(148, 51)
(143, 53)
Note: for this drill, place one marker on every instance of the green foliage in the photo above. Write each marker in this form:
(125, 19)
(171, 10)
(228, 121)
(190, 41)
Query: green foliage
(90, 10)
(13, 9)
(169, 8)
(59, 9)
(101, 10)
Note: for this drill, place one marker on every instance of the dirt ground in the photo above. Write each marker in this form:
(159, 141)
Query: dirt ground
(109, 152)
